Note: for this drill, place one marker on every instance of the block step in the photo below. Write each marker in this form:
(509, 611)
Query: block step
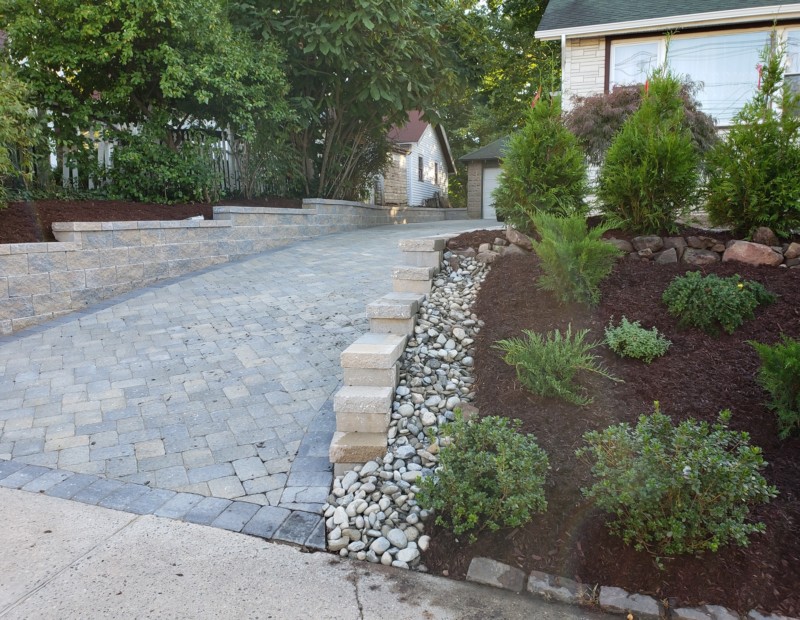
(377, 377)
(395, 306)
(429, 244)
(356, 447)
(348, 422)
(373, 351)
(407, 272)
(363, 399)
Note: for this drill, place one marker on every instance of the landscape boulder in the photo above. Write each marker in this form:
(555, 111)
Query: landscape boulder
(751, 254)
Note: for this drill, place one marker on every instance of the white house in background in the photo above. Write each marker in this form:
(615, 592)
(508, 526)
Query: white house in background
(605, 43)
(421, 163)
(483, 172)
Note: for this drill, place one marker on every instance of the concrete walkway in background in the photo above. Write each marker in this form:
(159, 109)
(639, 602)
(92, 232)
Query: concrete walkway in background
(67, 560)
(205, 398)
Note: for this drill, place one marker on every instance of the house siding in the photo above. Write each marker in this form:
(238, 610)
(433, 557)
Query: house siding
(584, 69)
(429, 149)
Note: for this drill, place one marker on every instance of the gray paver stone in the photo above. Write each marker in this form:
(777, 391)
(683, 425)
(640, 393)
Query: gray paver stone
(556, 588)
(150, 502)
(20, 478)
(618, 600)
(754, 614)
(207, 510)
(689, 613)
(497, 574)
(47, 481)
(309, 478)
(97, 491)
(311, 463)
(71, 486)
(9, 467)
(119, 499)
(317, 538)
(266, 521)
(298, 527)
(178, 506)
(235, 516)
(718, 612)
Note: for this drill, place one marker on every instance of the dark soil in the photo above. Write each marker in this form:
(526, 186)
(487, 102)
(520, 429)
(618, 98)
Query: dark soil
(700, 376)
(27, 222)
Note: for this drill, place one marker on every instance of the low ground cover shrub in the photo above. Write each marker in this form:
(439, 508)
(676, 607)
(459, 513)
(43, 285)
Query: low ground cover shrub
(547, 364)
(543, 169)
(780, 376)
(575, 259)
(677, 489)
(632, 340)
(752, 174)
(710, 302)
(489, 476)
(651, 171)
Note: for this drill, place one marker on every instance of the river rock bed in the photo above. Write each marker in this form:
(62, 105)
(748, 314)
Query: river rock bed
(372, 513)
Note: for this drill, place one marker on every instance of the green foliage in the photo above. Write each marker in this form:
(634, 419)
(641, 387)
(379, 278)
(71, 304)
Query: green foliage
(632, 340)
(710, 302)
(543, 169)
(677, 489)
(650, 175)
(752, 174)
(596, 119)
(17, 130)
(574, 258)
(148, 170)
(490, 476)
(780, 376)
(547, 365)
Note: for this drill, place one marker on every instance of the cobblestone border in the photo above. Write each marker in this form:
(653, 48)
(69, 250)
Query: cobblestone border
(302, 525)
(606, 598)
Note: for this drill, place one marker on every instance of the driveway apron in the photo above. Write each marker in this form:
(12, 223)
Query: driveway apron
(206, 398)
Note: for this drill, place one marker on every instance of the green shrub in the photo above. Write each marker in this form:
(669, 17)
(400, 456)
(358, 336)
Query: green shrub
(677, 489)
(780, 376)
(596, 119)
(543, 169)
(710, 302)
(146, 169)
(574, 258)
(490, 476)
(632, 340)
(650, 175)
(547, 365)
(752, 174)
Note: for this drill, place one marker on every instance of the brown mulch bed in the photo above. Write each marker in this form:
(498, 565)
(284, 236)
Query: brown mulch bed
(26, 222)
(700, 376)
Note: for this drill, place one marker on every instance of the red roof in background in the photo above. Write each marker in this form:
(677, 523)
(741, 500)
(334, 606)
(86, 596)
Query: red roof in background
(410, 132)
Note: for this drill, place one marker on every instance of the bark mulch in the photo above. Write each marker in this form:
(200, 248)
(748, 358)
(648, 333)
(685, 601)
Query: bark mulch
(700, 376)
(29, 222)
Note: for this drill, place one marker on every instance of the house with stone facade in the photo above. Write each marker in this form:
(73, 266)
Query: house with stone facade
(716, 43)
(420, 165)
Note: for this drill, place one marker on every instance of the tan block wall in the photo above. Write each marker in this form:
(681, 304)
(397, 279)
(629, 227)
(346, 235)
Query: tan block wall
(474, 189)
(395, 183)
(584, 69)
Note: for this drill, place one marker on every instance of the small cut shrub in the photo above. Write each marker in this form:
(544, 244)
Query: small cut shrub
(651, 171)
(543, 169)
(710, 302)
(547, 364)
(780, 376)
(677, 489)
(632, 340)
(489, 476)
(574, 258)
(753, 175)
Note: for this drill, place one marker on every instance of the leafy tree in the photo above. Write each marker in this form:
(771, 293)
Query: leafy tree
(17, 130)
(543, 170)
(355, 68)
(752, 174)
(127, 61)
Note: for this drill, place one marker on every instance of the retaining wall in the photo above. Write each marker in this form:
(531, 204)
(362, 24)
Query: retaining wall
(93, 261)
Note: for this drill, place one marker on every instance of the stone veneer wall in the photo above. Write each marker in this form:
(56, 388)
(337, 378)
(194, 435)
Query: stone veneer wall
(584, 69)
(93, 261)
(474, 189)
(395, 181)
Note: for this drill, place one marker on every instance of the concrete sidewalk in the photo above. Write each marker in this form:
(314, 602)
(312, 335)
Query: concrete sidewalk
(63, 559)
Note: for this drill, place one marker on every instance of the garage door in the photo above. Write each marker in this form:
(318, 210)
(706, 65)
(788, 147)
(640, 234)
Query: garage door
(490, 176)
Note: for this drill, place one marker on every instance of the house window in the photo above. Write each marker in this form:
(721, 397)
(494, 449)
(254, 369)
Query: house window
(631, 63)
(436, 173)
(726, 65)
(420, 170)
(792, 75)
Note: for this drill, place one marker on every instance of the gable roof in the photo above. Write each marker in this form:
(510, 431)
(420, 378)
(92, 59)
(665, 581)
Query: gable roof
(493, 150)
(588, 17)
(412, 131)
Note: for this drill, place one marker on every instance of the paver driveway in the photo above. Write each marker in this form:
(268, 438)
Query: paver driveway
(217, 384)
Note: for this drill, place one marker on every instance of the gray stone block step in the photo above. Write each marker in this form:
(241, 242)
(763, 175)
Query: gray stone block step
(373, 351)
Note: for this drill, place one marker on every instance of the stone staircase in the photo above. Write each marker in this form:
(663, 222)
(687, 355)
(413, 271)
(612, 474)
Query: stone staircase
(371, 368)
